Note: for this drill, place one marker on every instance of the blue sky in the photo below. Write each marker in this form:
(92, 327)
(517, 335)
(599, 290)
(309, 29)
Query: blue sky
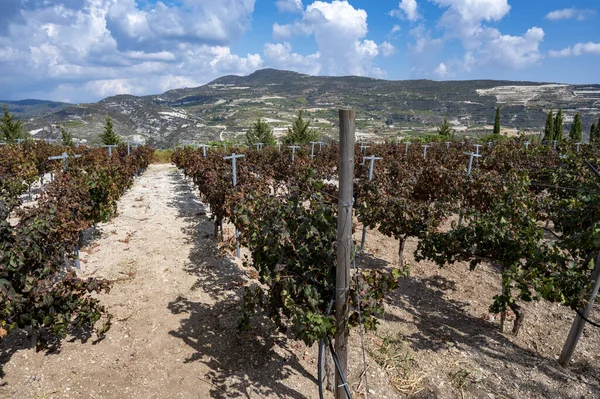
(85, 50)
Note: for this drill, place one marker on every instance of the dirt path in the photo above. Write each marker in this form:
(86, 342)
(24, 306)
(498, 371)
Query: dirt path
(174, 304)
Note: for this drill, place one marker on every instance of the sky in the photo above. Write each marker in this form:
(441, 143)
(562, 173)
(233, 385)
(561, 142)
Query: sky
(85, 50)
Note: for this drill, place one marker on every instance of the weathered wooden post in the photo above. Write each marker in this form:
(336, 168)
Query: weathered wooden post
(577, 327)
(344, 245)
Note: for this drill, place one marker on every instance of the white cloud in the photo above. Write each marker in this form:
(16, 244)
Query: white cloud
(463, 18)
(395, 29)
(281, 56)
(202, 21)
(407, 9)
(441, 71)
(339, 30)
(515, 52)
(424, 44)
(467, 21)
(65, 50)
(387, 49)
(577, 50)
(289, 5)
(570, 13)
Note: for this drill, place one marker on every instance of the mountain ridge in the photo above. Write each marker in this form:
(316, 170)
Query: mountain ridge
(226, 106)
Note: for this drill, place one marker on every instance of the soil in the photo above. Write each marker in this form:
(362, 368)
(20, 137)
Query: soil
(176, 302)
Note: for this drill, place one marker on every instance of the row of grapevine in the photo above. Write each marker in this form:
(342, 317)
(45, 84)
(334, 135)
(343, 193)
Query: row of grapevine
(530, 210)
(38, 289)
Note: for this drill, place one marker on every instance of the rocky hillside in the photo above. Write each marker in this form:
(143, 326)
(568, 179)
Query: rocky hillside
(224, 108)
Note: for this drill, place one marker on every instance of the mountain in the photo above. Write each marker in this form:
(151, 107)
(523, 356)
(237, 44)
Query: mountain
(25, 109)
(225, 107)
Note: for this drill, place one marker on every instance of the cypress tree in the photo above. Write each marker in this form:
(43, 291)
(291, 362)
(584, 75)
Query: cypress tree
(558, 126)
(109, 137)
(597, 132)
(300, 133)
(549, 130)
(497, 122)
(444, 129)
(260, 132)
(66, 137)
(576, 129)
(10, 128)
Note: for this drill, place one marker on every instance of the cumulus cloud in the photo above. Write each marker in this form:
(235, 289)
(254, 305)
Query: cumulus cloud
(289, 5)
(281, 56)
(65, 50)
(407, 9)
(463, 18)
(202, 21)
(441, 72)
(387, 49)
(468, 21)
(339, 30)
(570, 13)
(577, 50)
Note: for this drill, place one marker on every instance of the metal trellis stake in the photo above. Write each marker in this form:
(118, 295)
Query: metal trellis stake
(259, 146)
(110, 147)
(406, 147)
(233, 158)
(312, 150)
(469, 169)
(204, 147)
(527, 145)
(294, 148)
(372, 160)
(425, 147)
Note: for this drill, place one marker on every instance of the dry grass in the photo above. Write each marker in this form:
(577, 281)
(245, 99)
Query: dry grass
(395, 357)
(162, 156)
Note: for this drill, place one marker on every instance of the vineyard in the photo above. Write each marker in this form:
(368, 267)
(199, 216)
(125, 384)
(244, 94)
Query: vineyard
(39, 290)
(452, 242)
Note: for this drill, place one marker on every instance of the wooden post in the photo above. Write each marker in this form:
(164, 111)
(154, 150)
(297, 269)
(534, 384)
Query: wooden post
(578, 324)
(344, 243)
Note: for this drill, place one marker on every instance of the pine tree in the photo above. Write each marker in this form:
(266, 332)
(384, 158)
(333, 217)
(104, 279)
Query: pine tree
(109, 137)
(260, 132)
(66, 137)
(497, 122)
(444, 129)
(549, 130)
(576, 129)
(300, 133)
(558, 126)
(10, 129)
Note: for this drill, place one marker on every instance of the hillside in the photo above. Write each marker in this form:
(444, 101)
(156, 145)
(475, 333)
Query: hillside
(225, 107)
(25, 109)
